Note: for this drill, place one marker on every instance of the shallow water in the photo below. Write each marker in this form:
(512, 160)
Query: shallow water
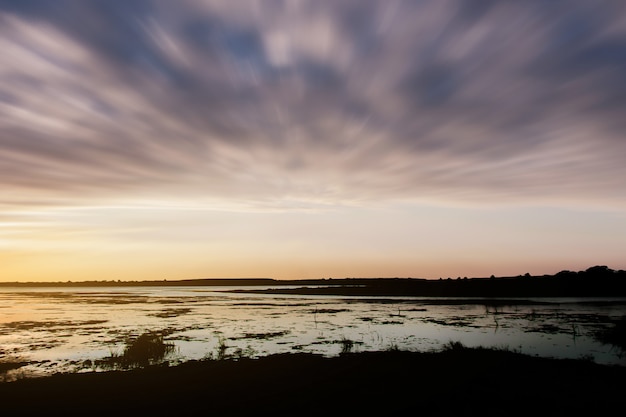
(59, 329)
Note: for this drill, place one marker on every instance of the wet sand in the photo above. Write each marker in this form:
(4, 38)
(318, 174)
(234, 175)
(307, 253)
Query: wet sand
(457, 381)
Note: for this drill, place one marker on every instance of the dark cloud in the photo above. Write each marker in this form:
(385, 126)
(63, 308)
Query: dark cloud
(433, 86)
(357, 99)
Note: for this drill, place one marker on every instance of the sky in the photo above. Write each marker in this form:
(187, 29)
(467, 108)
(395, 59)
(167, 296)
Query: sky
(150, 140)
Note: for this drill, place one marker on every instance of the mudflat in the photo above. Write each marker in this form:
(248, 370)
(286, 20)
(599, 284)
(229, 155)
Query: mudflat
(455, 381)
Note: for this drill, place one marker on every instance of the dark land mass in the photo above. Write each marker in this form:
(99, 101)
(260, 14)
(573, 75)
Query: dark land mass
(456, 381)
(597, 281)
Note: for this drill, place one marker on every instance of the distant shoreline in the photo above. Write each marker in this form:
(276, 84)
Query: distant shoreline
(597, 281)
(210, 282)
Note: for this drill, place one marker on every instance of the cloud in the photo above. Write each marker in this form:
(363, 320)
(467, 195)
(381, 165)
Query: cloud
(319, 102)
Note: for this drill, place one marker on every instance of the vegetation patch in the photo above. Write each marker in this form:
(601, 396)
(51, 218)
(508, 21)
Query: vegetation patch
(347, 345)
(7, 366)
(391, 322)
(330, 310)
(263, 336)
(147, 349)
(221, 351)
(57, 325)
(172, 312)
(453, 321)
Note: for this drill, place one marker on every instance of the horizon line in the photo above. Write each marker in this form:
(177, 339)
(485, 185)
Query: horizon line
(169, 281)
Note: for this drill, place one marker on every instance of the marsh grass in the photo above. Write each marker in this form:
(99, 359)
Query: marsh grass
(221, 351)
(11, 371)
(263, 336)
(454, 346)
(147, 349)
(393, 347)
(248, 352)
(457, 347)
(346, 345)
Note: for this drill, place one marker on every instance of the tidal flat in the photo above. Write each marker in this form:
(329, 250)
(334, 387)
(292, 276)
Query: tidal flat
(45, 330)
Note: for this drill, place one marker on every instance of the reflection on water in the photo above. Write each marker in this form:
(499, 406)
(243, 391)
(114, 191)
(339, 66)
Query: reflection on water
(62, 329)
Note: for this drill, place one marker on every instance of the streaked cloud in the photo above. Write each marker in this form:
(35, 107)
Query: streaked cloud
(322, 101)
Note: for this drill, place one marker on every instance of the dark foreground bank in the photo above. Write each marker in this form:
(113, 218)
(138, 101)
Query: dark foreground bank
(454, 382)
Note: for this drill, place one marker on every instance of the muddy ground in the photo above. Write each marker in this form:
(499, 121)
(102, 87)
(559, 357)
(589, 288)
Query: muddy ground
(456, 381)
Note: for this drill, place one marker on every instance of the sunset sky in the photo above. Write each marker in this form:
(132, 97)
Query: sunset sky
(182, 139)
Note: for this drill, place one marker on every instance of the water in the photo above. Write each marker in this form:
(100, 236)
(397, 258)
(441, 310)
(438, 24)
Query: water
(59, 329)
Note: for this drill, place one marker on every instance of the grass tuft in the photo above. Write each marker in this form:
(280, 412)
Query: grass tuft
(147, 349)
(454, 346)
(346, 345)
